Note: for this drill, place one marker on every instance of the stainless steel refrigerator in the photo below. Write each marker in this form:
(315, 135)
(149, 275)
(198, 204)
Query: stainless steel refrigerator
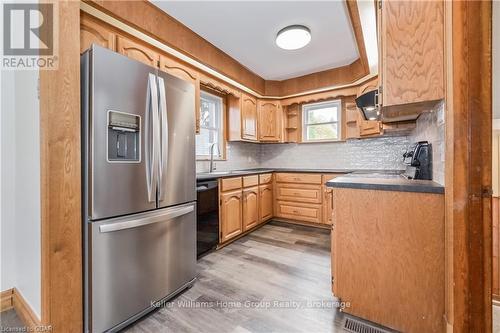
(139, 216)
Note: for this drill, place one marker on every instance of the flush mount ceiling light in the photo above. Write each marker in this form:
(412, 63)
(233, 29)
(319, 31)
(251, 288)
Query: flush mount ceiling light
(293, 37)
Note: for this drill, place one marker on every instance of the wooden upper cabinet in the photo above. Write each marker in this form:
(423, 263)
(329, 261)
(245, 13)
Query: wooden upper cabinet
(412, 52)
(250, 207)
(248, 118)
(137, 51)
(270, 120)
(265, 202)
(186, 73)
(95, 32)
(231, 215)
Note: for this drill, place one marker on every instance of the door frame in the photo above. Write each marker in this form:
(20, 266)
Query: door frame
(468, 166)
(468, 173)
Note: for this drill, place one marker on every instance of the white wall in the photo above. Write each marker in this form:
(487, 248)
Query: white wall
(20, 186)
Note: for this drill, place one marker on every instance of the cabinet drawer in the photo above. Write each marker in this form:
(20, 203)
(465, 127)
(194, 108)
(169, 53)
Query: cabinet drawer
(302, 178)
(265, 178)
(300, 212)
(228, 184)
(299, 192)
(250, 180)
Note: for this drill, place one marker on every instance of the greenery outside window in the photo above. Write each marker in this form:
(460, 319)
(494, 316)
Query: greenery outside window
(321, 121)
(211, 127)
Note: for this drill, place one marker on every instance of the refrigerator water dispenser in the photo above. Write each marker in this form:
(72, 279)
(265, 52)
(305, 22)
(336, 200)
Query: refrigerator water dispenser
(124, 137)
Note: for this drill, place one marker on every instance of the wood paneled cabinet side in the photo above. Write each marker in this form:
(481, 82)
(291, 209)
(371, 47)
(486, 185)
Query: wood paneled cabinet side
(412, 51)
(270, 120)
(176, 68)
(137, 51)
(95, 32)
(231, 215)
(265, 202)
(250, 207)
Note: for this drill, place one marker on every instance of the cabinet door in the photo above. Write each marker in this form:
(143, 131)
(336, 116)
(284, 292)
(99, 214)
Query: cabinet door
(327, 205)
(188, 74)
(137, 51)
(95, 32)
(270, 117)
(265, 202)
(231, 225)
(250, 207)
(412, 51)
(370, 127)
(248, 118)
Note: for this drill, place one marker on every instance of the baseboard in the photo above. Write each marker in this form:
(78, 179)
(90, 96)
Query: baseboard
(6, 300)
(303, 223)
(12, 298)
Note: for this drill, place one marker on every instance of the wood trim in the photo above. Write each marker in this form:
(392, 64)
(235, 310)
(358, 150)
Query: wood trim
(61, 180)
(6, 299)
(181, 42)
(468, 167)
(13, 299)
(24, 311)
(352, 8)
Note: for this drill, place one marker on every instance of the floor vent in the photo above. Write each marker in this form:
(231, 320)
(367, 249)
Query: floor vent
(357, 326)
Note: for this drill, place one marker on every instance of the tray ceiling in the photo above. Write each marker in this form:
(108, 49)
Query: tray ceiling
(246, 31)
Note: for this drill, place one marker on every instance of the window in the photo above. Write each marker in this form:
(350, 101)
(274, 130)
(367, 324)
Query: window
(211, 126)
(321, 121)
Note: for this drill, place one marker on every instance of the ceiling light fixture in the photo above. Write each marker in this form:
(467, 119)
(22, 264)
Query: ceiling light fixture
(293, 37)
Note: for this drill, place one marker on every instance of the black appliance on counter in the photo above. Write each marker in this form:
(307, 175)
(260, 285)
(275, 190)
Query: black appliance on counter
(418, 160)
(207, 213)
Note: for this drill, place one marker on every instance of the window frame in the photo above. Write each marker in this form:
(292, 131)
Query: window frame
(222, 129)
(305, 125)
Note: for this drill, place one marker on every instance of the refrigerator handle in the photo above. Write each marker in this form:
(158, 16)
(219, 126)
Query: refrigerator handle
(151, 135)
(139, 222)
(164, 137)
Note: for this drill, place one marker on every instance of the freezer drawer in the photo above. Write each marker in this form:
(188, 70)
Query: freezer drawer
(137, 260)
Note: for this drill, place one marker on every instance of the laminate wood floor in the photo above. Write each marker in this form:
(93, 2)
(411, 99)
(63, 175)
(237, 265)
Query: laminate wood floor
(276, 279)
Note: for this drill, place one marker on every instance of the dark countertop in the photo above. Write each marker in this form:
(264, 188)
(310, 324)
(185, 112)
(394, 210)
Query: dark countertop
(246, 172)
(385, 182)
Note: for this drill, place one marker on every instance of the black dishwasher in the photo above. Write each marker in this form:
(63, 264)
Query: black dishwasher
(207, 227)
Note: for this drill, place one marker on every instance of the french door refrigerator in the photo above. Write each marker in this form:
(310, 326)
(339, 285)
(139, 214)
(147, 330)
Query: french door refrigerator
(139, 216)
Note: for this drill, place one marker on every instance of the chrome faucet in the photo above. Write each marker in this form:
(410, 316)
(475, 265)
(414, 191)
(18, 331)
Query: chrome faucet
(211, 168)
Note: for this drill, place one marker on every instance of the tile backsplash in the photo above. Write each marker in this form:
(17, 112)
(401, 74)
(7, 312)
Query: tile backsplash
(375, 153)
(430, 127)
(239, 155)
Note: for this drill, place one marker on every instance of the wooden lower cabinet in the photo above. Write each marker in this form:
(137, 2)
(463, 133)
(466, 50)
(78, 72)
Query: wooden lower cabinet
(231, 215)
(399, 236)
(265, 202)
(250, 207)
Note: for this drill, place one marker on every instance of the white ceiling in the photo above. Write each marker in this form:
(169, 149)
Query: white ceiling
(246, 31)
